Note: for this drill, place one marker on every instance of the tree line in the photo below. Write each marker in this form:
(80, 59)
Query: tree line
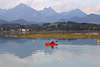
(69, 26)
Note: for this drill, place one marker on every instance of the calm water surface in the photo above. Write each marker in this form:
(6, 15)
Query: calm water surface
(70, 53)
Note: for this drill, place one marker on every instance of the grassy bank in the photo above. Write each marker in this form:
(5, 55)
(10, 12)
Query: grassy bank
(58, 36)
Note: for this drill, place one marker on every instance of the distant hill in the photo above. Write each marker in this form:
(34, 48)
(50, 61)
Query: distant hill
(29, 14)
(20, 21)
(72, 13)
(92, 18)
(21, 11)
(3, 17)
(24, 14)
(3, 22)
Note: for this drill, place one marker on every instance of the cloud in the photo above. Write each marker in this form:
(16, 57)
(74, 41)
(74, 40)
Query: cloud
(89, 6)
(22, 1)
(8, 3)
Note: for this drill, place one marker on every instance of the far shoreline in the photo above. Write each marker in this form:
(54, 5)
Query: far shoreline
(58, 36)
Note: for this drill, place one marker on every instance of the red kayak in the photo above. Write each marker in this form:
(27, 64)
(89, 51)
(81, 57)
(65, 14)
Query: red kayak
(51, 44)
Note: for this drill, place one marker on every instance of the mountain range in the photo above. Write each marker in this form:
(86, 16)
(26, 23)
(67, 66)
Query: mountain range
(26, 15)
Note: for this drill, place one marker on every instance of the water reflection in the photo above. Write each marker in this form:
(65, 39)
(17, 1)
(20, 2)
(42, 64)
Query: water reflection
(23, 47)
(25, 53)
(61, 58)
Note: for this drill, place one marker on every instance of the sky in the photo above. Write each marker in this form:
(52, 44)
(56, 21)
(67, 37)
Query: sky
(88, 6)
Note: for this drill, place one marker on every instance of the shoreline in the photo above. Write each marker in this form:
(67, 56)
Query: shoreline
(57, 36)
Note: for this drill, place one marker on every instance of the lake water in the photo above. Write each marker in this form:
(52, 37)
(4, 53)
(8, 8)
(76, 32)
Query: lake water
(33, 53)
